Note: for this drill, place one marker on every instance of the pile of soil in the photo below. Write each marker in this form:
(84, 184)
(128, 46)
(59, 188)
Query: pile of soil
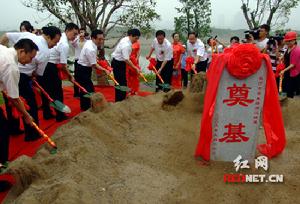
(139, 151)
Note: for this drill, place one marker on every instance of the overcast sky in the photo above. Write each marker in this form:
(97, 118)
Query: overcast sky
(225, 14)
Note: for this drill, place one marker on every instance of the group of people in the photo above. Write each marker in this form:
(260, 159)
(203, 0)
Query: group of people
(41, 57)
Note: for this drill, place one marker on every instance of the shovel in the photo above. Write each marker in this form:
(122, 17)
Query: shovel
(282, 96)
(47, 138)
(55, 104)
(118, 86)
(163, 84)
(146, 81)
(87, 94)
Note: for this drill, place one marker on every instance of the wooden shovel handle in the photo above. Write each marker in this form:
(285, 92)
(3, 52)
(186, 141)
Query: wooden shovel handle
(42, 90)
(157, 74)
(280, 83)
(79, 86)
(144, 78)
(115, 81)
(44, 135)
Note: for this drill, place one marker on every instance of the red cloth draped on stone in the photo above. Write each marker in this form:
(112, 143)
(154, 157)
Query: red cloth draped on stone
(242, 61)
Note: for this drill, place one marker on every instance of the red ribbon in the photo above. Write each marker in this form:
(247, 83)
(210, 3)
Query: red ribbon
(152, 63)
(104, 64)
(189, 63)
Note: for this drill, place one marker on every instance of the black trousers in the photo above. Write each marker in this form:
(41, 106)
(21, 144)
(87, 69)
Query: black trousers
(293, 86)
(119, 69)
(166, 74)
(4, 138)
(52, 84)
(76, 89)
(184, 77)
(200, 67)
(84, 75)
(26, 91)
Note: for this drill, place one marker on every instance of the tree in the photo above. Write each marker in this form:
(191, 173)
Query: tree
(195, 16)
(274, 13)
(108, 15)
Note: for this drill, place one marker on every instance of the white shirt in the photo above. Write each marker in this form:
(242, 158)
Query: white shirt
(123, 50)
(163, 52)
(209, 52)
(262, 44)
(9, 72)
(59, 53)
(39, 62)
(88, 55)
(78, 45)
(196, 49)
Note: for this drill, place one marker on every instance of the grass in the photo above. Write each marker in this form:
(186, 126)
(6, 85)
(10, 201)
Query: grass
(1, 99)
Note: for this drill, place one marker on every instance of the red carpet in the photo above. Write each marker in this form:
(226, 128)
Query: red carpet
(17, 145)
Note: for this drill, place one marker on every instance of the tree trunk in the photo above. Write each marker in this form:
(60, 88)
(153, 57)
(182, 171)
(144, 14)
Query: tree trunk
(245, 12)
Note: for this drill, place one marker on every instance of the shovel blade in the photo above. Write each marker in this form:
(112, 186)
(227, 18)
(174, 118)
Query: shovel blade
(122, 88)
(150, 85)
(88, 95)
(165, 86)
(60, 106)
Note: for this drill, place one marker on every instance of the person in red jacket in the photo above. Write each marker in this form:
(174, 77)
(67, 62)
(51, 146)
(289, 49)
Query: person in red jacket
(131, 75)
(178, 51)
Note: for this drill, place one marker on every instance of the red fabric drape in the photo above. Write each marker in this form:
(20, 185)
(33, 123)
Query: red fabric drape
(274, 129)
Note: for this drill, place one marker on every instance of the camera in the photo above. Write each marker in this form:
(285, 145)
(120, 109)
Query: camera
(273, 40)
(254, 33)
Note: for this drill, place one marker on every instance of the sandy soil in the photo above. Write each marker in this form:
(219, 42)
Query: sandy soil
(139, 151)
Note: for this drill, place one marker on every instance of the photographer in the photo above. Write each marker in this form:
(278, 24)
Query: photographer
(262, 40)
(258, 37)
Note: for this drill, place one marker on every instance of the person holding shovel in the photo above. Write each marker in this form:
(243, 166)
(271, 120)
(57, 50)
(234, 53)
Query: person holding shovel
(121, 58)
(28, 72)
(23, 52)
(88, 61)
(164, 56)
(196, 49)
(55, 70)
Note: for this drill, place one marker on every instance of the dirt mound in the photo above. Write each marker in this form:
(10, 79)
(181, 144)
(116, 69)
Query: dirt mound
(198, 83)
(291, 113)
(138, 152)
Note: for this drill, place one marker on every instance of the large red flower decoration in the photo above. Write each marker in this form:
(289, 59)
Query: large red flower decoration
(244, 60)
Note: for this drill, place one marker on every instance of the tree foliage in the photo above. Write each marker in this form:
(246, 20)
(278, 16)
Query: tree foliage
(195, 16)
(272, 12)
(102, 14)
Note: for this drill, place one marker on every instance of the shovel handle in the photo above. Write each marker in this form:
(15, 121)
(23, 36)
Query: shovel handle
(144, 78)
(44, 135)
(42, 90)
(115, 81)
(280, 83)
(157, 74)
(79, 86)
